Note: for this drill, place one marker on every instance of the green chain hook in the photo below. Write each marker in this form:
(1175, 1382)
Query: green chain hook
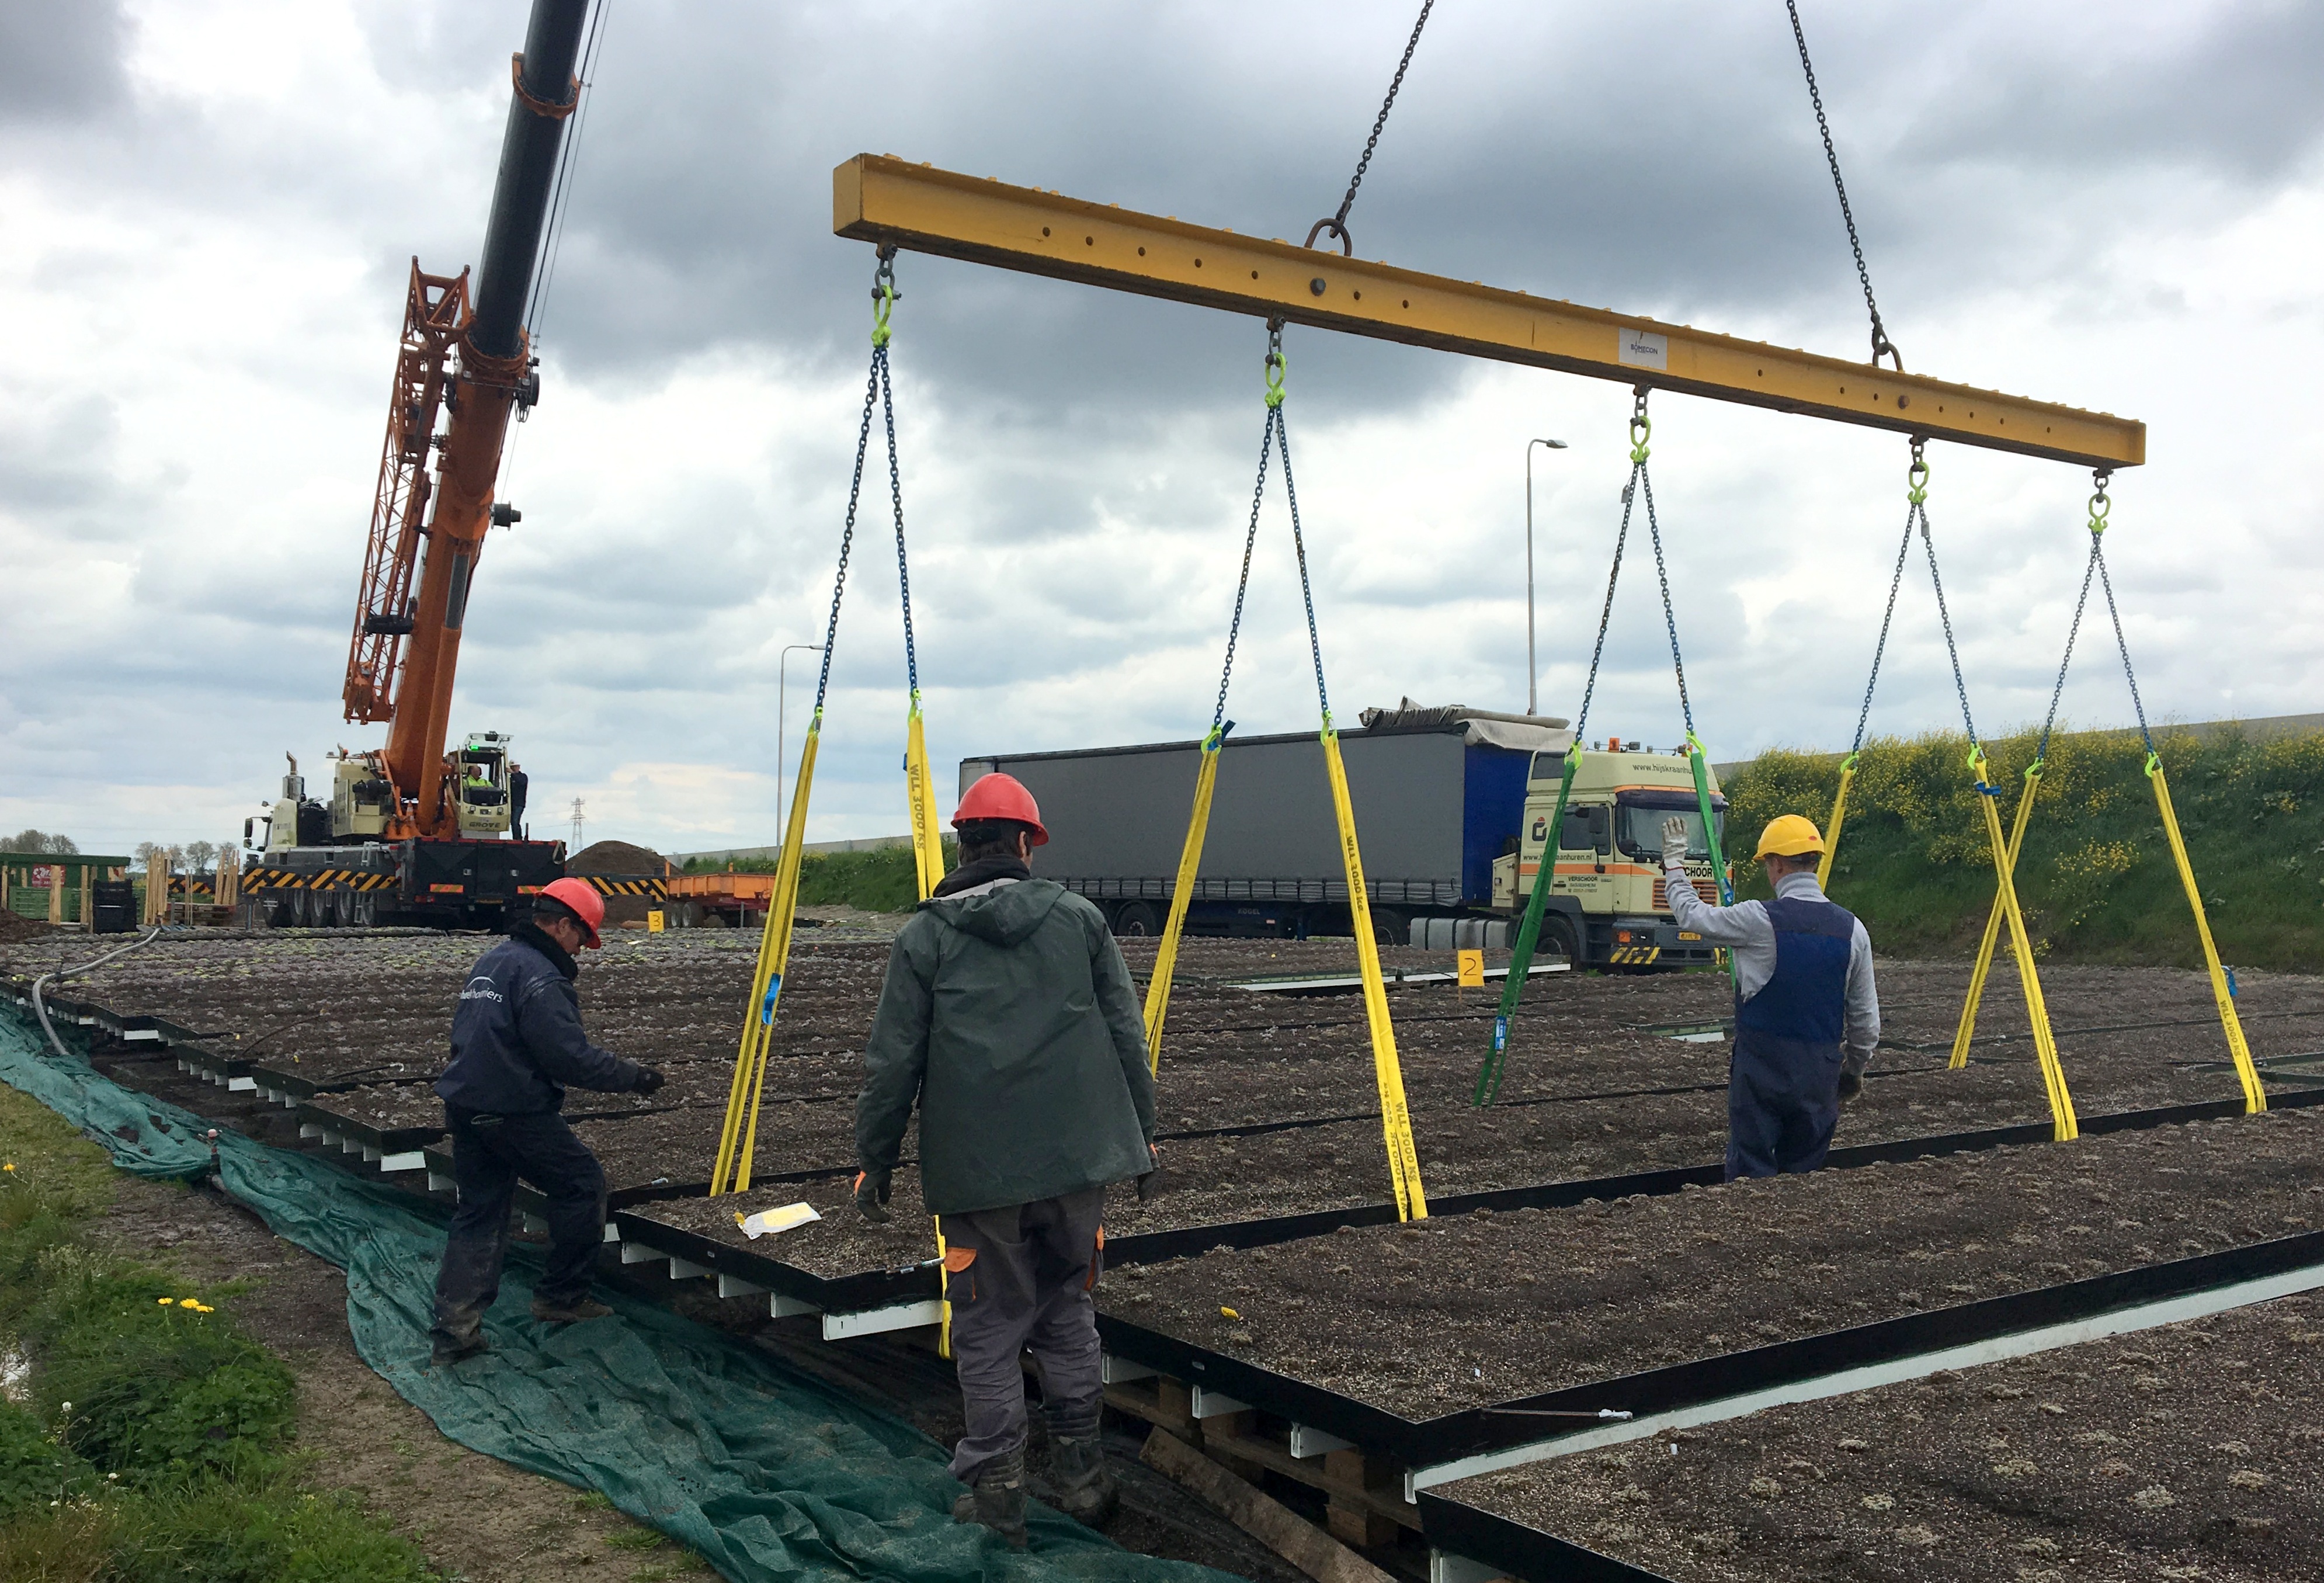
(1275, 366)
(882, 304)
(2100, 504)
(1916, 477)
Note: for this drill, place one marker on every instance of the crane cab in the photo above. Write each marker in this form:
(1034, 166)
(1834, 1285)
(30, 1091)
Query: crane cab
(480, 776)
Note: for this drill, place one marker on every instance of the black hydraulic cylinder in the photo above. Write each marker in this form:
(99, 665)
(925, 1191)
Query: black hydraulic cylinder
(552, 44)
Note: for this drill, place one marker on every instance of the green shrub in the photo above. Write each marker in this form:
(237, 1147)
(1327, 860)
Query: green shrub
(159, 1390)
(885, 881)
(2096, 879)
(34, 1469)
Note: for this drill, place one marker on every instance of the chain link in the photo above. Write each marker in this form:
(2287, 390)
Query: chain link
(1882, 347)
(1670, 618)
(1919, 510)
(1299, 548)
(1337, 225)
(873, 384)
(1275, 369)
(2049, 721)
(1887, 616)
(1606, 611)
(2098, 559)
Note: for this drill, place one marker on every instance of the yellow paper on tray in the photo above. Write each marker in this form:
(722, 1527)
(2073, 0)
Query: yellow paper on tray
(767, 1222)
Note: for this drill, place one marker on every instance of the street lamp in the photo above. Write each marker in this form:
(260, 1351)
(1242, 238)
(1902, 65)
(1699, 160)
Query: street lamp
(782, 809)
(1530, 675)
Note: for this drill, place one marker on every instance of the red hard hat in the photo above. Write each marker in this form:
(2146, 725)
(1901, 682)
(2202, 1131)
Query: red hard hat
(999, 796)
(582, 897)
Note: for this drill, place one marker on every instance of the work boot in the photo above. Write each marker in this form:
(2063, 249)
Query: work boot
(448, 1352)
(1085, 1488)
(996, 1499)
(572, 1312)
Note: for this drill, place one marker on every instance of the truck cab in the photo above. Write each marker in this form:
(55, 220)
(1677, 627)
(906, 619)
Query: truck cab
(1605, 906)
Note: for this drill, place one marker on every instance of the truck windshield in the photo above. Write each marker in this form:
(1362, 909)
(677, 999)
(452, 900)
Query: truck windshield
(1641, 831)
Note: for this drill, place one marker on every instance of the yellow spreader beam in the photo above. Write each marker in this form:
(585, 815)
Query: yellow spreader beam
(879, 199)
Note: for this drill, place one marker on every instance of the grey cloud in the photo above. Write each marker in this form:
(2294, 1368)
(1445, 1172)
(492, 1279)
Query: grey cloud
(60, 60)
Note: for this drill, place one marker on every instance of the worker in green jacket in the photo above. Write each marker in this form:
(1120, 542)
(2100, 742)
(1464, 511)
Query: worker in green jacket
(1007, 1017)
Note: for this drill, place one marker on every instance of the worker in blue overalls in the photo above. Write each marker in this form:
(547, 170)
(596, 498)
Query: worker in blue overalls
(1806, 1017)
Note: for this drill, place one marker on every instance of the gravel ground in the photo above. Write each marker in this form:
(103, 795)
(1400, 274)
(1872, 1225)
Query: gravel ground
(2191, 1451)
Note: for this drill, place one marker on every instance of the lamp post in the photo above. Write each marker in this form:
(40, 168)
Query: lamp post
(1531, 678)
(782, 661)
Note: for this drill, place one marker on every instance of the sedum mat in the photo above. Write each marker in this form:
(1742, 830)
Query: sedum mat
(767, 1474)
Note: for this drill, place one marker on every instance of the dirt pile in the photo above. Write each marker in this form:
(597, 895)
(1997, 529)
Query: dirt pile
(617, 857)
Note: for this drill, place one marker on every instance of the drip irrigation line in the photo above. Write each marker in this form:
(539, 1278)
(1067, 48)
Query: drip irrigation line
(40, 1008)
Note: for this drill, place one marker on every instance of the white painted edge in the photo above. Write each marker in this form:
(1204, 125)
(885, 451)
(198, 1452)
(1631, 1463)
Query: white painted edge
(681, 1270)
(1444, 1567)
(531, 1221)
(410, 1160)
(1120, 1371)
(637, 1253)
(242, 1084)
(438, 1183)
(903, 1316)
(1210, 1404)
(2193, 1305)
(735, 1286)
(154, 1033)
(1313, 1442)
(369, 1153)
(612, 1233)
(783, 1307)
(309, 1129)
(184, 1065)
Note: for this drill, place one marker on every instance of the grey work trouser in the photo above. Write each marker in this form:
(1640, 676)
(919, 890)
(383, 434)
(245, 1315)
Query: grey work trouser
(1020, 1277)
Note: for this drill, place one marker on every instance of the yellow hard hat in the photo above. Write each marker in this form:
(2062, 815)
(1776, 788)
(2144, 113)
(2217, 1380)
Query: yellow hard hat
(1789, 834)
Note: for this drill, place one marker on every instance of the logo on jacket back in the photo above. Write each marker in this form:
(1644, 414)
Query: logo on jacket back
(480, 989)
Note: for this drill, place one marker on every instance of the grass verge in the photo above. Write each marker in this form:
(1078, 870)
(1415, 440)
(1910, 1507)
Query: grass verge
(2097, 878)
(143, 1436)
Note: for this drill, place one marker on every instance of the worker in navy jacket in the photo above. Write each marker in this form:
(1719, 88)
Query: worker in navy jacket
(517, 1045)
(1806, 1015)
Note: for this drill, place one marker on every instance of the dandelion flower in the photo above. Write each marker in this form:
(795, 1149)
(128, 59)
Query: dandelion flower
(187, 1302)
(163, 1301)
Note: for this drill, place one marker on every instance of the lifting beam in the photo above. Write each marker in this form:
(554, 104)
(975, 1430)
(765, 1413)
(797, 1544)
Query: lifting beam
(880, 199)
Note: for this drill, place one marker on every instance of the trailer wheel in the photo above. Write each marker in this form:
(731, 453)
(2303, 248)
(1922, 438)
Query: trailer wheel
(1137, 920)
(1390, 927)
(1557, 933)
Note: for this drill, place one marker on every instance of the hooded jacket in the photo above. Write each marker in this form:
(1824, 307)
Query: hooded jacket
(517, 1041)
(1007, 1017)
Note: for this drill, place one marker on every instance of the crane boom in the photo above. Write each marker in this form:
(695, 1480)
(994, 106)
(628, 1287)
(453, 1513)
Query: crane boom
(472, 355)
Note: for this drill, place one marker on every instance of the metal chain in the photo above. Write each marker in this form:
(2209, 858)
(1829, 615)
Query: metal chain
(1299, 548)
(884, 292)
(1275, 370)
(2074, 631)
(1640, 429)
(1896, 581)
(1882, 347)
(1661, 576)
(872, 387)
(2099, 507)
(1337, 225)
(1918, 495)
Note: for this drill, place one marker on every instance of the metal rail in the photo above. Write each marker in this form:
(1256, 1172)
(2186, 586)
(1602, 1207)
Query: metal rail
(892, 202)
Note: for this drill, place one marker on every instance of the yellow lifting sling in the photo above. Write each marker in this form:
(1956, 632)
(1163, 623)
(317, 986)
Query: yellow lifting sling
(1639, 490)
(738, 1134)
(1396, 1120)
(2222, 992)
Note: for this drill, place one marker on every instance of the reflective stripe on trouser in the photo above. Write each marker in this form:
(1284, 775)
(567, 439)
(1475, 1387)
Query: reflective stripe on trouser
(1020, 1277)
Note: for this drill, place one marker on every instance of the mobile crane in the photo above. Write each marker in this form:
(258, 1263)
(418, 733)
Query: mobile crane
(412, 834)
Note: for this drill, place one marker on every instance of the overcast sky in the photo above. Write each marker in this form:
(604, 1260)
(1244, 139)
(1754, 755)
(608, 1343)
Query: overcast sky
(207, 212)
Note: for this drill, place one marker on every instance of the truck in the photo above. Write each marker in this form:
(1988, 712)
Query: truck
(1452, 807)
(413, 833)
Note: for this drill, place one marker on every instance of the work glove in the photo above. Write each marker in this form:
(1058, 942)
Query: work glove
(1850, 1086)
(648, 1081)
(1151, 1183)
(871, 1195)
(1674, 842)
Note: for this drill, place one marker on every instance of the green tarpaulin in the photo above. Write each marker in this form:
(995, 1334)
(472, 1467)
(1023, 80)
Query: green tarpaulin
(769, 1474)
